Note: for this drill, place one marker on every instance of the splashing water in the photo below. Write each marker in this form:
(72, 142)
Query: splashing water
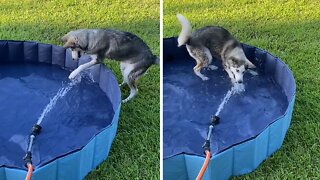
(236, 88)
(61, 93)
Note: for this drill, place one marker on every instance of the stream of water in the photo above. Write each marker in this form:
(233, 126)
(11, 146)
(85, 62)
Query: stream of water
(61, 93)
(236, 88)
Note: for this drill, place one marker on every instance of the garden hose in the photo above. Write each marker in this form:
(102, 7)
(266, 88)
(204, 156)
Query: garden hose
(206, 147)
(28, 157)
(30, 170)
(204, 166)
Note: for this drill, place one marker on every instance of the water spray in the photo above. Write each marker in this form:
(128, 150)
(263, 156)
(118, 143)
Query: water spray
(36, 128)
(214, 121)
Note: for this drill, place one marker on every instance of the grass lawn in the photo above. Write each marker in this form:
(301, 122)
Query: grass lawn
(135, 151)
(290, 30)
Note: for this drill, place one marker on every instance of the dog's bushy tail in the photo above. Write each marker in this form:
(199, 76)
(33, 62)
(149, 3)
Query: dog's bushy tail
(185, 33)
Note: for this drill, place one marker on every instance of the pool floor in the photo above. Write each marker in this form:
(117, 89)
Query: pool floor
(25, 90)
(189, 103)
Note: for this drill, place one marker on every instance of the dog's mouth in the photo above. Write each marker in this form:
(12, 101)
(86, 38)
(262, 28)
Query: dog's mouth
(76, 54)
(79, 54)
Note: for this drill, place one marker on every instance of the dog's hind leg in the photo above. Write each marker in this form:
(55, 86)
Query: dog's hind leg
(127, 70)
(133, 90)
(197, 71)
(123, 83)
(131, 78)
(84, 66)
(203, 58)
(122, 68)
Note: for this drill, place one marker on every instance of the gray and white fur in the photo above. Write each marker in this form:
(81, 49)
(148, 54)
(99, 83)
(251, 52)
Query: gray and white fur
(134, 55)
(214, 41)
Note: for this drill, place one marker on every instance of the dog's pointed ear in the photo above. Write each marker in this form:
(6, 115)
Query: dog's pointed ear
(64, 38)
(249, 64)
(70, 41)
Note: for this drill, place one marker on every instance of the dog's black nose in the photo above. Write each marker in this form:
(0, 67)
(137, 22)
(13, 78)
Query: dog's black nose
(240, 82)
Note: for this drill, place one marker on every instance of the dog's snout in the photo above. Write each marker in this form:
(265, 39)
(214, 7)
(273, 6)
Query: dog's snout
(240, 82)
(75, 55)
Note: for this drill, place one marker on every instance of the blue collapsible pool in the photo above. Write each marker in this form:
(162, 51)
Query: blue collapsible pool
(76, 134)
(253, 124)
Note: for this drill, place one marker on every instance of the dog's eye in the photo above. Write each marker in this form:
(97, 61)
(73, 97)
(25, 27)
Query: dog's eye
(243, 72)
(237, 70)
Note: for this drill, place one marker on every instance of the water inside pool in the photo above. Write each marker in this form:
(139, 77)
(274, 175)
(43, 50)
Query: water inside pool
(68, 122)
(189, 102)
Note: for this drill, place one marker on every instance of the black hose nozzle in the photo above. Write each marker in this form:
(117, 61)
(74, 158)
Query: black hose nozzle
(206, 146)
(36, 129)
(27, 158)
(215, 120)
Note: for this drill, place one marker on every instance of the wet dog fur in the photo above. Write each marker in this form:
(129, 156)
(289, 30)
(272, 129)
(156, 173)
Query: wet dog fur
(214, 41)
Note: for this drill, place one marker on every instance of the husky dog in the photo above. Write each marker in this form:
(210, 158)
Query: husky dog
(214, 41)
(134, 55)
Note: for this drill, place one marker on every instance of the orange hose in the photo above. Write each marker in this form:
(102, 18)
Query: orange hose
(30, 169)
(204, 166)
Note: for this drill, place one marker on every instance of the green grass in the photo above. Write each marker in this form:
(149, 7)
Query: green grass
(290, 30)
(135, 151)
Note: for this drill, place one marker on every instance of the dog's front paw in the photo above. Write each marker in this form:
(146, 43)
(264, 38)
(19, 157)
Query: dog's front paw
(238, 88)
(212, 67)
(73, 75)
(205, 78)
(253, 73)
